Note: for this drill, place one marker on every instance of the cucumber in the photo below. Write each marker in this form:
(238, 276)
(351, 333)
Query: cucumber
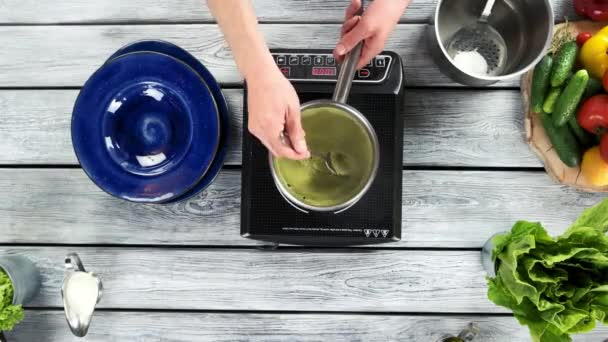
(568, 101)
(552, 97)
(563, 63)
(540, 82)
(583, 137)
(563, 141)
(594, 87)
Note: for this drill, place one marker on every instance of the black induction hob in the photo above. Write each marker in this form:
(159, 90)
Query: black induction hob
(377, 92)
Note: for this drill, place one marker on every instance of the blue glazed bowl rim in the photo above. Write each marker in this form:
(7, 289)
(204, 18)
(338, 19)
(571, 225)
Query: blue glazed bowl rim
(135, 197)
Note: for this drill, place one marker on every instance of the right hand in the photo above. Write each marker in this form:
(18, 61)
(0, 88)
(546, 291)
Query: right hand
(274, 109)
(374, 27)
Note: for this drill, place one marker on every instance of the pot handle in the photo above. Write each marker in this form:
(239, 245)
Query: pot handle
(347, 71)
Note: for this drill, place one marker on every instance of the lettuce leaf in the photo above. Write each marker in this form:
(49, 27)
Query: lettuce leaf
(595, 217)
(554, 286)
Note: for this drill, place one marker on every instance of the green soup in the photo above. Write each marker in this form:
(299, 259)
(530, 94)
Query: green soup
(352, 154)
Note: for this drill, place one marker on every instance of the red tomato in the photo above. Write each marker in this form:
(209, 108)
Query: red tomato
(604, 148)
(595, 9)
(582, 38)
(593, 114)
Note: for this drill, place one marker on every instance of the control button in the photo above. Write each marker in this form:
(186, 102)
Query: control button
(370, 64)
(318, 60)
(330, 60)
(286, 71)
(363, 73)
(294, 60)
(281, 60)
(305, 60)
(380, 62)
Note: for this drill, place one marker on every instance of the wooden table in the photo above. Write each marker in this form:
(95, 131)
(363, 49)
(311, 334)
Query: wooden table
(181, 272)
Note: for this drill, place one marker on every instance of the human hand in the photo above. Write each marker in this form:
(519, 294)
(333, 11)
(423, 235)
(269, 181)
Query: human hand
(373, 27)
(274, 108)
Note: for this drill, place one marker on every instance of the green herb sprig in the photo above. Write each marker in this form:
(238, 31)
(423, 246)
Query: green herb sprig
(10, 315)
(562, 36)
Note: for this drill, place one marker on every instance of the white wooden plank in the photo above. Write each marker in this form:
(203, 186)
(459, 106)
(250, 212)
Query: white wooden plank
(183, 327)
(446, 128)
(52, 56)
(440, 209)
(465, 128)
(290, 280)
(83, 11)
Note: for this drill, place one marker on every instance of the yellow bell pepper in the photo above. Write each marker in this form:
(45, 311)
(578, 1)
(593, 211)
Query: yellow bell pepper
(594, 168)
(594, 54)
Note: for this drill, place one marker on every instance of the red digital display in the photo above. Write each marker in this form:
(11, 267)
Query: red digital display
(316, 71)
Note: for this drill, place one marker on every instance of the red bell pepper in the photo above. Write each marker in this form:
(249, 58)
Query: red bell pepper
(593, 114)
(594, 9)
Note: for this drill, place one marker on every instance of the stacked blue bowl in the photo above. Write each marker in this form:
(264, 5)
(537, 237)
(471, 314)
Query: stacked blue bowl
(151, 125)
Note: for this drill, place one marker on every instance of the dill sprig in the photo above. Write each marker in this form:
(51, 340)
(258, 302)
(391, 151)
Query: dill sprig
(562, 36)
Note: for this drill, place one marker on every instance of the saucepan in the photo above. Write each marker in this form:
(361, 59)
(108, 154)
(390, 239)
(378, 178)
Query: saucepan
(344, 147)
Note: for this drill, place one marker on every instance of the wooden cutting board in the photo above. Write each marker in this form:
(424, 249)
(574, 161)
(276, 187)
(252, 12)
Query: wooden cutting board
(535, 133)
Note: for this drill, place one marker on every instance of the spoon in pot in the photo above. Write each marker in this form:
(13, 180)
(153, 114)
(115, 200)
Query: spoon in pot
(482, 38)
(326, 158)
(327, 161)
(341, 164)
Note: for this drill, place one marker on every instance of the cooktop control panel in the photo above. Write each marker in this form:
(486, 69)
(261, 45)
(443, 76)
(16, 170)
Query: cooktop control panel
(321, 66)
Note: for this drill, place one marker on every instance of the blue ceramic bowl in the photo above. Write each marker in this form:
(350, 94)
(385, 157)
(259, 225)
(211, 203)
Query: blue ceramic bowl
(175, 51)
(145, 127)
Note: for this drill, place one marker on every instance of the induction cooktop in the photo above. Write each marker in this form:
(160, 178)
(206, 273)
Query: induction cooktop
(378, 93)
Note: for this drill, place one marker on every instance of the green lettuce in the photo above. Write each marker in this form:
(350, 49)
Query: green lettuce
(10, 314)
(554, 286)
(596, 217)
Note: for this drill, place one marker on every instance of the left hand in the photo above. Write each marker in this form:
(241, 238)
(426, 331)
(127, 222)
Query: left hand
(373, 27)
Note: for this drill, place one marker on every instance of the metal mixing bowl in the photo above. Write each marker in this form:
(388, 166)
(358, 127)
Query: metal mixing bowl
(525, 25)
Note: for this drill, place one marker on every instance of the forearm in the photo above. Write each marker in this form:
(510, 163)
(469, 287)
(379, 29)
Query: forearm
(406, 3)
(238, 22)
(399, 6)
